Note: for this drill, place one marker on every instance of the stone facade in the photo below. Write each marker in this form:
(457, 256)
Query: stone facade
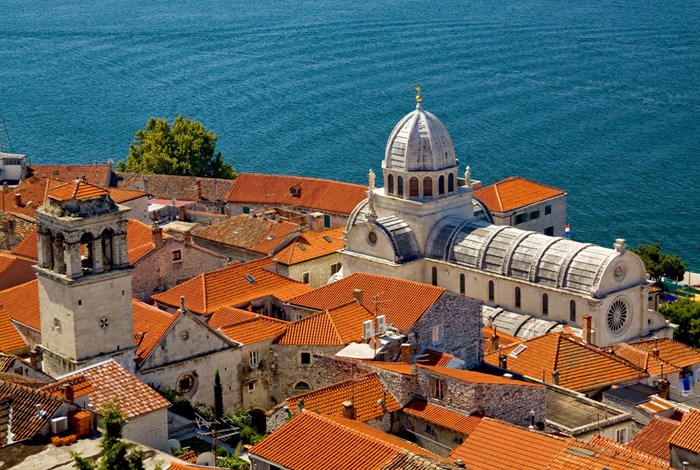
(139, 209)
(550, 221)
(288, 373)
(319, 270)
(255, 371)
(150, 429)
(171, 263)
(430, 436)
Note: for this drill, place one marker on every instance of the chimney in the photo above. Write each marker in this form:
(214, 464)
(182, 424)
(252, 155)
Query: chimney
(18, 200)
(502, 358)
(314, 221)
(489, 322)
(182, 214)
(35, 356)
(68, 392)
(494, 339)
(349, 411)
(357, 294)
(655, 352)
(300, 405)
(664, 389)
(157, 237)
(200, 196)
(460, 464)
(555, 377)
(587, 335)
(620, 245)
(406, 353)
(187, 238)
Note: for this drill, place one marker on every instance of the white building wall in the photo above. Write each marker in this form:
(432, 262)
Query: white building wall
(150, 429)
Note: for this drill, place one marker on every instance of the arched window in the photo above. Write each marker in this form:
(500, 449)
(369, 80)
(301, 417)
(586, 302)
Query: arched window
(441, 185)
(434, 276)
(450, 182)
(462, 284)
(390, 183)
(492, 294)
(545, 304)
(517, 297)
(302, 386)
(572, 311)
(399, 184)
(413, 187)
(427, 187)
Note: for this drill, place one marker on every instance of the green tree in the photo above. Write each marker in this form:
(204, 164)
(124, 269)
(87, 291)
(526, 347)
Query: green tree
(659, 264)
(114, 451)
(686, 314)
(218, 397)
(186, 148)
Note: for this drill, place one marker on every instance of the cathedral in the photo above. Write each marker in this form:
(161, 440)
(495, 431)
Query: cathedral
(424, 225)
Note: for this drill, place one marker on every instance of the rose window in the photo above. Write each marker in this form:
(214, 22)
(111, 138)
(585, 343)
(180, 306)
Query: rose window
(618, 314)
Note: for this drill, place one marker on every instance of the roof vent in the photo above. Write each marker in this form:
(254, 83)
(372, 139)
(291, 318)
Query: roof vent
(250, 278)
(301, 246)
(515, 352)
(328, 239)
(271, 236)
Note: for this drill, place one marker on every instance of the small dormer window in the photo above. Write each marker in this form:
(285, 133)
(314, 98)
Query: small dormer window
(301, 246)
(250, 278)
(327, 238)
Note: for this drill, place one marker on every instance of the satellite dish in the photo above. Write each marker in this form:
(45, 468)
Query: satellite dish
(206, 458)
(172, 444)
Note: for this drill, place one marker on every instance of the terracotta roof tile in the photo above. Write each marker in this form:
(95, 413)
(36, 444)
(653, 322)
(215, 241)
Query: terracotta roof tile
(10, 340)
(110, 380)
(363, 391)
(79, 190)
(495, 444)
(627, 450)
(513, 193)
(670, 352)
(176, 187)
(28, 247)
(336, 326)
(687, 436)
(315, 194)
(22, 380)
(581, 367)
(230, 286)
(226, 316)
(403, 302)
(6, 362)
(22, 303)
(478, 377)
(250, 233)
(434, 358)
(182, 466)
(312, 245)
(15, 269)
(26, 421)
(442, 416)
(489, 345)
(81, 386)
(654, 437)
(331, 443)
(405, 460)
(256, 329)
(99, 174)
(150, 324)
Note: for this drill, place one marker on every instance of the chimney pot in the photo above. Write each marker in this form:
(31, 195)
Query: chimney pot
(157, 237)
(587, 329)
(555, 377)
(68, 392)
(406, 353)
(300, 405)
(18, 200)
(349, 411)
(200, 196)
(357, 294)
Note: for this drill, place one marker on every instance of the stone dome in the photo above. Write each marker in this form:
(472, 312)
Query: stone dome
(419, 142)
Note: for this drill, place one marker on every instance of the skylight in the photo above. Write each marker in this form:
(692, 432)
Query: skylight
(250, 278)
(327, 238)
(518, 350)
(301, 246)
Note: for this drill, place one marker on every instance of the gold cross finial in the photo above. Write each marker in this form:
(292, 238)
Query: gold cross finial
(419, 98)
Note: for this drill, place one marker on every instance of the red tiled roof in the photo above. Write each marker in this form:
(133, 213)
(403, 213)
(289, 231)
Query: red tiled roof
(364, 391)
(687, 436)
(28, 247)
(403, 302)
(150, 324)
(331, 443)
(10, 340)
(20, 224)
(112, 381)
(226, 316)
(654, 437)
(478, 377)
(670, 352)
(495, 444)
(336, 326)
(315, 194)
(488, 345)
(79, 190)
(609, 444)
(229, 286)
(434, 358)
(581, 367)
(250, 233)
(99, 174)
(22, 303)
(81, 386)
(256, 329)
(15, 269)
(513, 193)
(442, 416)
(312, 245)
(27, 422)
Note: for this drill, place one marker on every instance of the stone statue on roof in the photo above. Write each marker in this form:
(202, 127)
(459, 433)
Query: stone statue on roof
(372, 179)
(468, 177)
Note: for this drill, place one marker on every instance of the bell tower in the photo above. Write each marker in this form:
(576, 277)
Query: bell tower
(84, 279)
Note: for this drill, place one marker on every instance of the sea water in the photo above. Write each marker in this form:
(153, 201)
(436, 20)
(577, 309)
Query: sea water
(598, 97)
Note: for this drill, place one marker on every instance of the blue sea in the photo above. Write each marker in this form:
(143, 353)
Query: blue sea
(597, 97)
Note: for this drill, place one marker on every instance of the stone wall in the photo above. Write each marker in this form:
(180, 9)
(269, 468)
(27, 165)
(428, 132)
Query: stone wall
(286, 369)
(159, 271)
(139, 209)
(460, 320)
(436, 439)
(150, 429)
(319, 270)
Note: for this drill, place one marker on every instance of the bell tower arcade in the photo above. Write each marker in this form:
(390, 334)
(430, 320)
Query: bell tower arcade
(84, 279)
